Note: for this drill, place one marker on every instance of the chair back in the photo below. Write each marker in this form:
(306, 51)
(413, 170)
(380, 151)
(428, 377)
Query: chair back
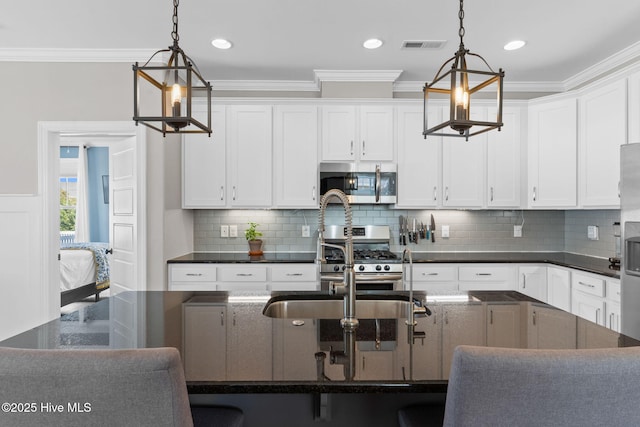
(522, 387)
(141, 387)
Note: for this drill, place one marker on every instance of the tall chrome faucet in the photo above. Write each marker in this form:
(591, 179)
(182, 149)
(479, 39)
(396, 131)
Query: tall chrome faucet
(349, 283)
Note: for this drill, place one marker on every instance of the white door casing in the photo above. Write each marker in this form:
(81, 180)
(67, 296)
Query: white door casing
(48, 155)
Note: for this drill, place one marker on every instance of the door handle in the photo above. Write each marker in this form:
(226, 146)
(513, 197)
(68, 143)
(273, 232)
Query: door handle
(534, 194)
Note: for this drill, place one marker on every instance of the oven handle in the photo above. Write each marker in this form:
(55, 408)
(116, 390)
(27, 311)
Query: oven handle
(369, 278)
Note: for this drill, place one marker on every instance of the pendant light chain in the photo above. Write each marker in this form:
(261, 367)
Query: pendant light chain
(174, 33)
(461, 30)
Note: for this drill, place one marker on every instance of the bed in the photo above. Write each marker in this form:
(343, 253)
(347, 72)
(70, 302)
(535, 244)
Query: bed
(84, 271)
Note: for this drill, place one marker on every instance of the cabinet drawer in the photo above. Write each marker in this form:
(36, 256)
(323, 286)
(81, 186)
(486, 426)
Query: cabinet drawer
(587, 284)
(192, 273)
(434, 273)
(294, 273)
(243, 274)
(485, 274)
(613, 290)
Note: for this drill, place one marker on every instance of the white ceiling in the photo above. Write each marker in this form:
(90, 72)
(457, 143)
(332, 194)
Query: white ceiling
(286, 40)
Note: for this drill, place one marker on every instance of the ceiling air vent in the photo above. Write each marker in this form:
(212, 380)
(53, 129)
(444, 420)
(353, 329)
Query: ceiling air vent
(423, 44)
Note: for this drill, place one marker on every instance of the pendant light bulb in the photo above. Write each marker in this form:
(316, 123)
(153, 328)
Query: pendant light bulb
(176, 98)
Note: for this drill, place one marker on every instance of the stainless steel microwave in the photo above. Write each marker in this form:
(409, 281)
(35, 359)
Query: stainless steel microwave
(363, 184)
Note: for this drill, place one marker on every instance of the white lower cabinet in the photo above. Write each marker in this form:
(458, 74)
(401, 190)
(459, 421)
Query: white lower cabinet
(532, 281)
(295, 346)
(461, 325)
(438, 277)
(484, 277)
(613, 305)
(559, 287)
(587, 297)
(211, 349)
(503, 325)
(243, 276)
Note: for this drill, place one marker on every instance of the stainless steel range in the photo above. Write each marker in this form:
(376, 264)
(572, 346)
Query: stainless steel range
(375, 266)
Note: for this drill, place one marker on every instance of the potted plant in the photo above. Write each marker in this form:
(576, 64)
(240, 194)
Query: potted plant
(252, 234)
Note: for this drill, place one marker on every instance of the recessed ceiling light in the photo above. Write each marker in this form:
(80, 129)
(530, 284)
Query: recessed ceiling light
(513, 45)
(372, 43)
(221, 43)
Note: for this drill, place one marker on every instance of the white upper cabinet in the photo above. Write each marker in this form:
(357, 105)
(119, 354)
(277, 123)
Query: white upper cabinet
(204, 166)
(463, 168)
(603, 128)
(504, 166)
(419, 164)
(552, 160)
(351, 133)
(296, 156)
(250, 142)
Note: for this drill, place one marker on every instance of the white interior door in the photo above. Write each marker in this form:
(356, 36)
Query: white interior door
(123, 216)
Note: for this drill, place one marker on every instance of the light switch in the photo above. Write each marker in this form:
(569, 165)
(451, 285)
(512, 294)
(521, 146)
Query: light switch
(445, 231)
(592, 232)
(517, 231)
(233, 231)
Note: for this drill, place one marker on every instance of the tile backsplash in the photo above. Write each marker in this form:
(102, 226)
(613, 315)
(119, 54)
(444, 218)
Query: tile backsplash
(470, 230)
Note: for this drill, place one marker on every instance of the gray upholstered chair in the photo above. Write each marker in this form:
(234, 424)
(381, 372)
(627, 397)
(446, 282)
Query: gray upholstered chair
(522, 387)
(142, 387)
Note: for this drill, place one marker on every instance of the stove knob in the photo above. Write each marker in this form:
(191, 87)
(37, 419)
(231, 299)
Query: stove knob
(336, 268)
(378, 267)
(344, 267)
(387, 268)
(361, 268)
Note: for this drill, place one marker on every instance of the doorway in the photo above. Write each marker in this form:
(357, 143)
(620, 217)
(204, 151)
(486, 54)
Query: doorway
(126, 192)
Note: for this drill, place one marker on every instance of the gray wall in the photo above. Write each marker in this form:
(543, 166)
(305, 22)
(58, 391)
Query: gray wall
(470, 231)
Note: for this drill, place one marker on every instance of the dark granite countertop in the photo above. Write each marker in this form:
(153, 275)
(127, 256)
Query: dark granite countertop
(580, 262)
(243, 257)
(229, 346)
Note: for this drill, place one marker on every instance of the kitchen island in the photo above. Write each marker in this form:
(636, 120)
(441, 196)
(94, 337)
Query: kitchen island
(233, 354)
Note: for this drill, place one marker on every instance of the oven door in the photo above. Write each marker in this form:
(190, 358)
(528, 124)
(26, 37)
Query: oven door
(366, 282)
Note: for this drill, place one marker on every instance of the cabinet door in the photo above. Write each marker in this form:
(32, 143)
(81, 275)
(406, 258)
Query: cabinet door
(553, 154)
(376, 133)
(419, 164)
(589, 307)
(243, 362)
(532, 281)
(550, 328)
(559, 288)
(294, 350)
(427, 351)
(603, 128)
(204, 166)
(464, 324)
(463, 168)
(503, 161)
(338, 133)
(296, 156)
(249, 136)
(503, 325)
(204, 342)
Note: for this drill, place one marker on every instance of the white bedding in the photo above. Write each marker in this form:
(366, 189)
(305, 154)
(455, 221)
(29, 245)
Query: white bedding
(77, 268)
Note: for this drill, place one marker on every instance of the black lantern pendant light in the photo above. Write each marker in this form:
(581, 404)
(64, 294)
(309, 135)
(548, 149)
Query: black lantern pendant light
(173, 88)
(460, 85)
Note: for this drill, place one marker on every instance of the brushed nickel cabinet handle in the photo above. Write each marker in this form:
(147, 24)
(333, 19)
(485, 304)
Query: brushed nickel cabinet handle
(589, 285)
(435, 194)
(221, 192)
(194, 274)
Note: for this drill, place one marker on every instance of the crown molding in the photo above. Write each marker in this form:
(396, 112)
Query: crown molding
(265, 85)
(417, 86)
(79, 55)
(625, 56)
(356, 75)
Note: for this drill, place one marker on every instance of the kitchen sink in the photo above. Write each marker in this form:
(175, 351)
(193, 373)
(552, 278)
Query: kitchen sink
(324, 306)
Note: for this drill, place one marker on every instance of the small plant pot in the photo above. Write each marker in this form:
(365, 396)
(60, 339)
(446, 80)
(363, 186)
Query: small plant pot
(255, 247)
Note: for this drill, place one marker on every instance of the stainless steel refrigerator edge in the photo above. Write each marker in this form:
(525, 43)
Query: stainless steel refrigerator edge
(630, 223)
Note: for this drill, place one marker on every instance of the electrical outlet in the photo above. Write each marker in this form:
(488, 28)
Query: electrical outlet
(224, 231)
(305, 231)
(233, 231)
(445, 232)
(517, 231)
